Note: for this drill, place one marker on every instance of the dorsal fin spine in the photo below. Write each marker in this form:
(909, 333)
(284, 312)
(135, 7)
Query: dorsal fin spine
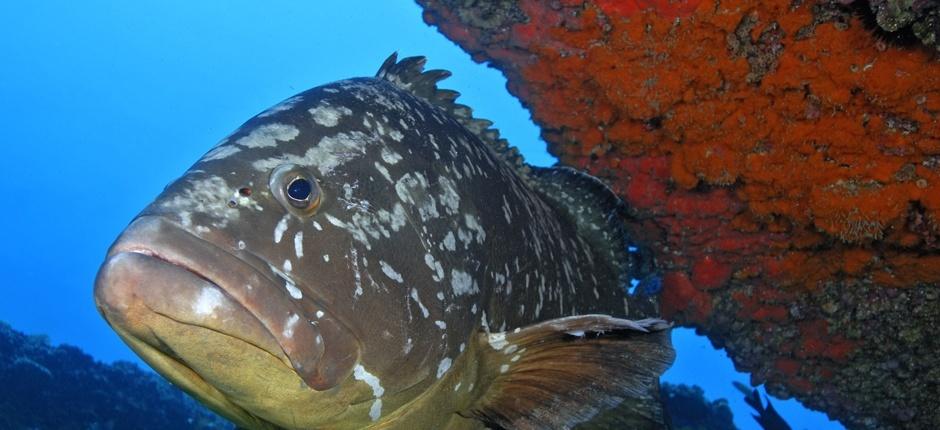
(408, 74)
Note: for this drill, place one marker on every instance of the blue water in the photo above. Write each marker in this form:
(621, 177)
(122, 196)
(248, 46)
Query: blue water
(104, 102)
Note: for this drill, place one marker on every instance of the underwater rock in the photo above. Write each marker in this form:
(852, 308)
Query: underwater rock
(62, 388)
(688, 409)
(903, 21)
(781, 161)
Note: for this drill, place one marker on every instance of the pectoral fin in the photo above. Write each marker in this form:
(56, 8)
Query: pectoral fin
(565, 372)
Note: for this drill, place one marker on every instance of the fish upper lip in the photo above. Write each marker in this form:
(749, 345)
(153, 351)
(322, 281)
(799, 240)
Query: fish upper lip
(158, 237)
(168, 260)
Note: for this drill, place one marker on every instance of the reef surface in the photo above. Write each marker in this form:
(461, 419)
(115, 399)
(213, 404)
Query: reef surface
(688, 409)
(62, 388)
(781, 160)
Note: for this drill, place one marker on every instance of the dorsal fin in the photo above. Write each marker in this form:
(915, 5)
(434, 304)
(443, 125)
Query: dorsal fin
(409, 74)
(593, 207)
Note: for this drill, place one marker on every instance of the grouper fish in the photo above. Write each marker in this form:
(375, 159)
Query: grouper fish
(367, 254)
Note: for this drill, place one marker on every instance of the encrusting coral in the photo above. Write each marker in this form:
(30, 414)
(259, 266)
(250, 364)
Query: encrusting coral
(781, 160)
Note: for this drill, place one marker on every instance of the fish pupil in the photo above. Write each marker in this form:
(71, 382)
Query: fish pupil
(299, 189)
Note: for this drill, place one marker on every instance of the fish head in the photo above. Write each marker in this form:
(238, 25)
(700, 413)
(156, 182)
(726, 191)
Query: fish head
(265, 278)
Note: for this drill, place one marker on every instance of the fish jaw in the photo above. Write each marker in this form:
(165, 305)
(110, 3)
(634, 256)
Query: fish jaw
(145, 316)
(201, 317)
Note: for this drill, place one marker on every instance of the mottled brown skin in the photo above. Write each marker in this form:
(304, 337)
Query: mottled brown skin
(365, 307)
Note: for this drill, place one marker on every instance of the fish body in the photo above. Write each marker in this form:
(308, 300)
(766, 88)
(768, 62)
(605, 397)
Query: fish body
(366, 253)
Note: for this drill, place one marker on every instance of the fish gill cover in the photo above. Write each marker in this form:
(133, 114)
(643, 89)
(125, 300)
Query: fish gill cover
(781, 160)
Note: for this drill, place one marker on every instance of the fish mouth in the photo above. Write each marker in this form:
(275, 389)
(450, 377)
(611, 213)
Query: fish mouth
(200, 315)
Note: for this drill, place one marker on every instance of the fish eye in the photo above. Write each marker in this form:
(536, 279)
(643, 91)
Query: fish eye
(295, 189)
(299, 190)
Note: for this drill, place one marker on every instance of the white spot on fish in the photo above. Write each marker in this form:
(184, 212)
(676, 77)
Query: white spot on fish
(435, 266)
(383, 171)
(441, 324)
(299, 244)
(268, 135)
(390, 272)
(329, 153)
(206, 196)
(280, 228)
(414, 296)
(504, 368)
(462, 283)
(413, 188)
(361, 374)
(353, 229)
(221, 152)
(319, 314)
(208, 301)
(282, 106)
(507, 212)
(390, 157)
(288, 266)
(242, 245)
(244, 201)
(326, 258)
(443, 367)
(357, 277)
(328, 116)
(449, 197)
(450, 243)
(497, 341)
(317, 226)
(289, 325)
(474, 224)
(293, 290)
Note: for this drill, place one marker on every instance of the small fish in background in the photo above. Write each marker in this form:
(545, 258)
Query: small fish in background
(369, 254)
(767, 417)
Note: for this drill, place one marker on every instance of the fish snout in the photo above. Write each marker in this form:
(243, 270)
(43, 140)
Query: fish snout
(149, 299)
(158, 277)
